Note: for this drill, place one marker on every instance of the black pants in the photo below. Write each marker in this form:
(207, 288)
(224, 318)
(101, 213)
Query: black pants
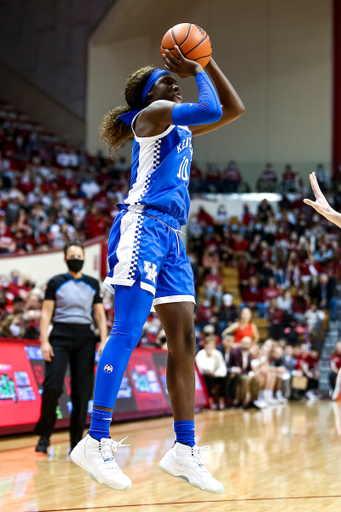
(74, 344)
(227, 385)
(332, 379)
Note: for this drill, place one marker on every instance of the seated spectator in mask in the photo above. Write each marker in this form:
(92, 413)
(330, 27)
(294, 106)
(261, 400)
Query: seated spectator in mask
(233, 374)
(314, 319)
(299, 306)
(227, 313)
(275, 320)
(211, 258)
(205, 314)
(289, 360)
(212, 367)
(231, 178)
(271, 291)
(324, 291)
(284, 302)
(240, 358)
(214, 287)
(267, 180)
(12, 326)
(252, 297)
(335, 365)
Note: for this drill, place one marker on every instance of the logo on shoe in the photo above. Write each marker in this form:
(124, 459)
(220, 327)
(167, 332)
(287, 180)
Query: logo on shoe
(108, 368)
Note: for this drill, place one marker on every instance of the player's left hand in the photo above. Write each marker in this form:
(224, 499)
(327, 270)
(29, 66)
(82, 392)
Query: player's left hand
(180, 65)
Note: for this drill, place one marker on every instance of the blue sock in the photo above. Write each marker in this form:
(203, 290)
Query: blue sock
(100, 423)
(184, 432)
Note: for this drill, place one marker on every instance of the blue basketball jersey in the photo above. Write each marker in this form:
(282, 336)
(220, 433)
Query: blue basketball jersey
(160, 172)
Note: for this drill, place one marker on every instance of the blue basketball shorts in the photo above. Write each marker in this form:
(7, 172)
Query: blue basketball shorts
(147, 247)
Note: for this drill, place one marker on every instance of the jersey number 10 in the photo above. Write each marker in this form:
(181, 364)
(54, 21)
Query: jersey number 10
(183, 174)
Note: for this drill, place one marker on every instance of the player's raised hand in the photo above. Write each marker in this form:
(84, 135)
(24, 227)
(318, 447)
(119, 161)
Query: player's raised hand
(180, 65)
(321, 204)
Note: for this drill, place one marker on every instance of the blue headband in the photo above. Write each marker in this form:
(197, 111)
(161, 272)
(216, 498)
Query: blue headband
(155, 75)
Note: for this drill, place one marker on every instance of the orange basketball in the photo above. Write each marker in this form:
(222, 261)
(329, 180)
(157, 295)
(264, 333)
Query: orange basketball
(192, 40)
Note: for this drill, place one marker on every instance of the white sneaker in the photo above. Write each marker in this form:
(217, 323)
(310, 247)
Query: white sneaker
(97, 458)
(272, 401)
(260, 404)
(185, 462)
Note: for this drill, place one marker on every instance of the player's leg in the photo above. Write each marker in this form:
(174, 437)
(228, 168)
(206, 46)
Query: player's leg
(95, 453)
(174, 304)
(181, 353)
(184, 460)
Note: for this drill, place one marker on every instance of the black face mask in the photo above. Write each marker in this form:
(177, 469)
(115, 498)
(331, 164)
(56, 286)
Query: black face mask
(75, 265)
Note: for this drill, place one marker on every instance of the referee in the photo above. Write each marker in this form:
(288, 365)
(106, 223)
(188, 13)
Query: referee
(71, 301)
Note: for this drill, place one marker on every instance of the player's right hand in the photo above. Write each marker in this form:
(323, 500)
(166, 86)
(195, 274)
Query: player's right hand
(321, 204)
(47, 350)
(180, 65)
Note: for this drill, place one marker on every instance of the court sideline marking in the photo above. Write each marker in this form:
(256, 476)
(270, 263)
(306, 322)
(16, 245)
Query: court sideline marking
(187, 503)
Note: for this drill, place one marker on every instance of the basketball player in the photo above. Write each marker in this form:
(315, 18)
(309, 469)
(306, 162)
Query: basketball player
(148, 261)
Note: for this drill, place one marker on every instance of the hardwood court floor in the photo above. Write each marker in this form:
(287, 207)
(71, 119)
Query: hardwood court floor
(281, 459)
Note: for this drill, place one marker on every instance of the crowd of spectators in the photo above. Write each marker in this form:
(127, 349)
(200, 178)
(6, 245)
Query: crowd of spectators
(287, 262)
(50, 191)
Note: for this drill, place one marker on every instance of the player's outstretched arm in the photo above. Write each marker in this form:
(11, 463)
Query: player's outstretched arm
(321, 204)
(231, 103)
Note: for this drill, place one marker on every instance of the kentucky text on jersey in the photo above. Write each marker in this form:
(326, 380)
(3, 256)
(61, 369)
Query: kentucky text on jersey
(160, 172)
(185, 144)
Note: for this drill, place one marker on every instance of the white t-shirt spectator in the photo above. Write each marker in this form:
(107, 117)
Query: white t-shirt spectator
(214, 364)
(90, 188)
(313, 317)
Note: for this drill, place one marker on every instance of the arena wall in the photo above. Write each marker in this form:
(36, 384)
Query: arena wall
(39, 106)
(42, 266)
(46, 43)
(277, 53)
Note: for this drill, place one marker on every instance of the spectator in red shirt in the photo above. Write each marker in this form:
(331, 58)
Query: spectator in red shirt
(205, 314)
(275, 320)
(95, 223)
(210, 258)
(214, 286)
(252, 297)
(195, 184)
(204, 218)
(212, 178)
(299, 305)
(231, 178)
(289, 179)
(7, 242)
(335, 365)
(240, 245)
(267, 180)
(271, 291)
(310, 368)
(246, 217)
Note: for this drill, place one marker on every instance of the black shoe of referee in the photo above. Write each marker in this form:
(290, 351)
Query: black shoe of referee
(43, 445)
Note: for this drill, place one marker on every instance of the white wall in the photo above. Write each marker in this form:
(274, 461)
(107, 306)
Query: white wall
(277, 53)
(42, 266)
